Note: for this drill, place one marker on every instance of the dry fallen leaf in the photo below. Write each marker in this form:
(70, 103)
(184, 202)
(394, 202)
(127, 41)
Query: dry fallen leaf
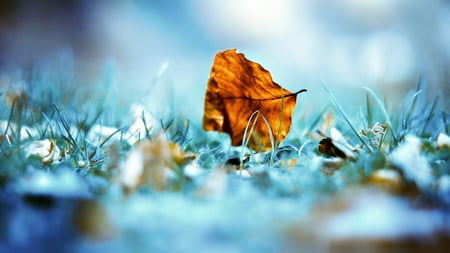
(152, 163)
(442, 141)
(327, 148)
(337, 146)
(236, 89)
(46, 150)
(375, 134)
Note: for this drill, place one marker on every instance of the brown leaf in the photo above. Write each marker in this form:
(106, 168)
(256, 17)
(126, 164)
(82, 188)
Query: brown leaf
(151, 162)
(336, 146)
(237, 88)
(327, 147)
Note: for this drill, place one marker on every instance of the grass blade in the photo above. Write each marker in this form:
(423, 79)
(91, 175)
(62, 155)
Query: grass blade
(110, 136)
(341, 111)
(254, 117)
(66, 127)
(369, 110)
(10, 119)
(430, 115)
(315, 121)
(444, 118)
(383, 109)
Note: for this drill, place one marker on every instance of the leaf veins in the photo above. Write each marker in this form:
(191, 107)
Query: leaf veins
(238, 87)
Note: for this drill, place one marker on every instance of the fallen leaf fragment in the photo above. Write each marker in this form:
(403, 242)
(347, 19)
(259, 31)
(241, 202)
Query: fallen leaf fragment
(337, 146)
(46, 150)
(375, 133)
(153, 163)
(443, 140)
(237, 88)
(327, 147)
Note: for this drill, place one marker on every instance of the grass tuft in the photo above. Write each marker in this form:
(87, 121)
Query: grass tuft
(346, 118)
(385, 113)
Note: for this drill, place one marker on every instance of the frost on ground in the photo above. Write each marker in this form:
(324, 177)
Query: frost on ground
(413, 164)
(70, 186)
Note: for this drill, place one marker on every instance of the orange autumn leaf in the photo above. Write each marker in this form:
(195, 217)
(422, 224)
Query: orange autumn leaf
(237, 88)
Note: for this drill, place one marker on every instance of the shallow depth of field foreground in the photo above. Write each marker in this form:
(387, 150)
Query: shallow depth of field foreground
(137, 127)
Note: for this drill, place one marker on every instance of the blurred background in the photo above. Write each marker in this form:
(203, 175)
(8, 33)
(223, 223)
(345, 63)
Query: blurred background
(159, 53)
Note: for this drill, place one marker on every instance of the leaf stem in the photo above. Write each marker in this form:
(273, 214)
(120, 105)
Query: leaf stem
(264, 99)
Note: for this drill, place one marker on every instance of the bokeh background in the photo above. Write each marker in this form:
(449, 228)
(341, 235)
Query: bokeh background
(159, 53)
(86, 54)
